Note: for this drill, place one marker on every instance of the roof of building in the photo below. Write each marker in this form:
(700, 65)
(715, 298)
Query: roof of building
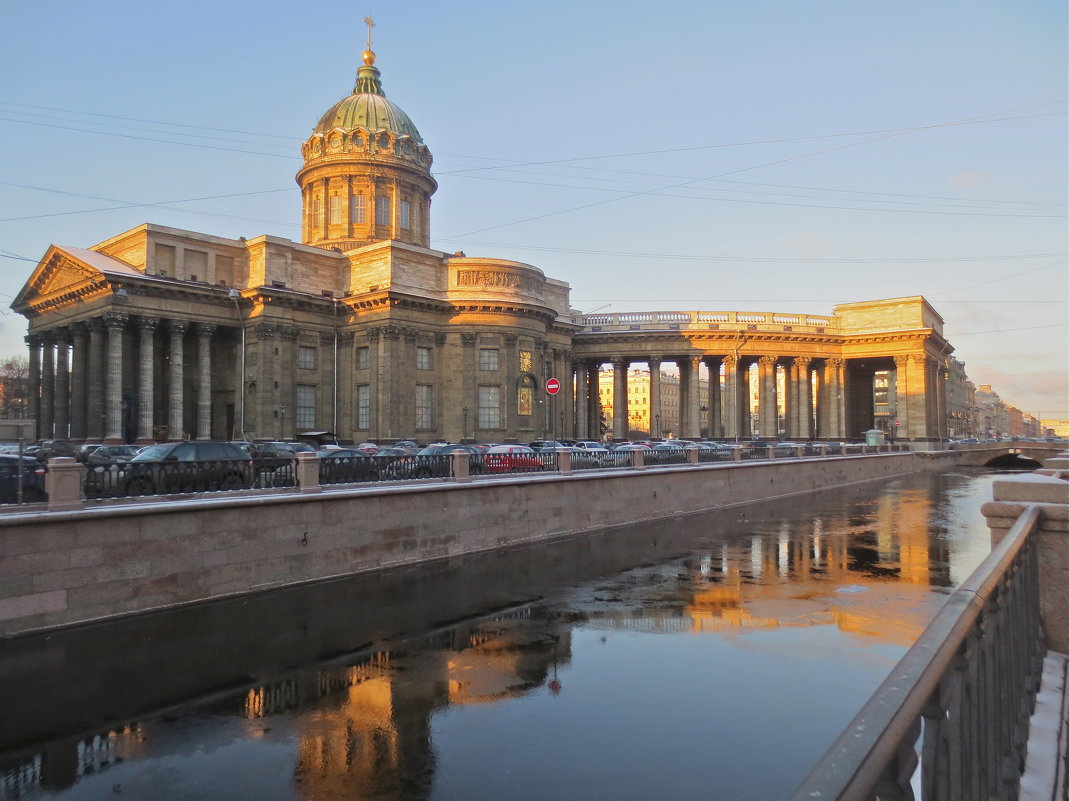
(367, 107)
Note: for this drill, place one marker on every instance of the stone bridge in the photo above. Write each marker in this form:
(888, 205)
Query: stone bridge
(1009, 453)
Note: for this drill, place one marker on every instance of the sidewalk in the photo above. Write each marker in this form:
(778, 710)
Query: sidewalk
(1046, 772)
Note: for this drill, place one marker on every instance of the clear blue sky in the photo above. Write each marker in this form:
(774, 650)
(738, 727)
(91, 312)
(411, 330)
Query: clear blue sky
(772, 155)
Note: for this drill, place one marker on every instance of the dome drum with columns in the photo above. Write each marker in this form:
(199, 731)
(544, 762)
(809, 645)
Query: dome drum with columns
(363, 329)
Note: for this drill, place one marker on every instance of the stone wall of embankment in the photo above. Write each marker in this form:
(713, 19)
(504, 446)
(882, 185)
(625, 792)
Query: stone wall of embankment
(61, 568)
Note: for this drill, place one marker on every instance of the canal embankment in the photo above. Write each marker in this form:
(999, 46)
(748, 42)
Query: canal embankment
(59, 568)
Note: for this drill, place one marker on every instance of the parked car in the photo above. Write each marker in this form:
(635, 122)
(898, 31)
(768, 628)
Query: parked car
(108, 454)
(545, 444)
(346, 465)
(51, 448)
(82, 452)
(33, 479)
(431, 462)
(511, 459)
(195, 466)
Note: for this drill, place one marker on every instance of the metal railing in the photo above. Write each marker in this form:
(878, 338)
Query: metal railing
(966, 690)
(112, 480)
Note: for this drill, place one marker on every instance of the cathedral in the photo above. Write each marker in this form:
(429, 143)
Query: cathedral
(360, 329)
(363, 330)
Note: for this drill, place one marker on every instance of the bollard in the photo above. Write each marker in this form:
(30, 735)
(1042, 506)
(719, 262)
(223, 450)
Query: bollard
(461, 465)
(564, 461)
(308, 472)
(63, 483)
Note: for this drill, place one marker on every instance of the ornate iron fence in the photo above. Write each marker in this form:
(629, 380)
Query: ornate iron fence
(966, 688)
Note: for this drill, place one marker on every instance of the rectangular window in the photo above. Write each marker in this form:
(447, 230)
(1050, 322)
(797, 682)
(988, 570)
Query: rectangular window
(165, 260)
(382, 210)
(363, 358)
(359, 209)
(490, 408)
(488, 358)
(306, 358)
(319, 213)
(335, 210)
(423, 358)
(196, 263)
(363, 407)
(406, 215)
(424, 396)
(305, 418)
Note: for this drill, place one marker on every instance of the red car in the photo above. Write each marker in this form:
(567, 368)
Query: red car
(512, 459)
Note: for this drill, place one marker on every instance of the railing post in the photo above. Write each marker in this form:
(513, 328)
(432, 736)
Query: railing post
(737, 454)
(63, 483)
(770, 450)
(692, 456)
(637, 459)
(564, 461)
(461, 466)
(308, 472)
(823, 449)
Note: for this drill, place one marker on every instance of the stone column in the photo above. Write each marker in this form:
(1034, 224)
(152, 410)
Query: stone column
(386, 369)
(204, 385)
(940, 389)
(79, 381)
(582, 400)
(48, 385)
(834, 370)
(619, 397)
(731, 397)
(145, 398)
(469, 420)
(116, 324)
(176, 410)
(766, 396)
(511, 371)
(33, 342)
(63, 384)
(712, 422)
(912, 395)
(97, 380)
(692, 428)
(656, 427)
(804, 413)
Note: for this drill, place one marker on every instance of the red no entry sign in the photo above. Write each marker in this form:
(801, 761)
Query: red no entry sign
(552, 386)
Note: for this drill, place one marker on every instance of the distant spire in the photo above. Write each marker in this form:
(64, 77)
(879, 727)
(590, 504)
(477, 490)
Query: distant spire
(367, 77)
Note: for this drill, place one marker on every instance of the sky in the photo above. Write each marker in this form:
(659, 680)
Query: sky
(761, 156)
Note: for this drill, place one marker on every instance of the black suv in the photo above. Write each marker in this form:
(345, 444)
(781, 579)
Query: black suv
(194, 466)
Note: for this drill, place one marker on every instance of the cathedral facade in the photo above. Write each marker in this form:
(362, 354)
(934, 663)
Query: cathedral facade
(360, 329)
(364, 330)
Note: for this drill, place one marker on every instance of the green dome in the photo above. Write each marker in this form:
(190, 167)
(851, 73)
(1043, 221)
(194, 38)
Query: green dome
(367, 108)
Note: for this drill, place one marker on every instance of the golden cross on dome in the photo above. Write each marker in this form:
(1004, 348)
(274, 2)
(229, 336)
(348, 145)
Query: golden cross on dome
(370, 24)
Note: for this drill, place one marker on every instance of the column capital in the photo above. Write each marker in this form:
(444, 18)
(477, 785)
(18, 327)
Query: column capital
(731, 362)
(654, 359)
(178, 327)
(511, 340)
(265, 331)
(767, 361)
(803, 362)
(116, 321)
(836, 363)
(439, 338)
(149, 324)
(33, 340)
(288, 333)
(79, 329)
(619, 362)
(326, 338)
(62, 335)
(468, 338)
(206, 329)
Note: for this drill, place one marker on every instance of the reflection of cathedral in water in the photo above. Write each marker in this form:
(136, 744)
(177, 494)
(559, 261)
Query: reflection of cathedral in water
(362, 726)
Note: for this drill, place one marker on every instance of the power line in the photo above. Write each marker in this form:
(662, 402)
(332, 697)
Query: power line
(729, 172)
(660, 193)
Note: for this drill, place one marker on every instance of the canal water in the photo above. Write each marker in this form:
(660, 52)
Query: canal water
(707, 657)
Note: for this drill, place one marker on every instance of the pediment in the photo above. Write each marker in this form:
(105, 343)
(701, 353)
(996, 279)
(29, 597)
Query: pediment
(59, 275)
